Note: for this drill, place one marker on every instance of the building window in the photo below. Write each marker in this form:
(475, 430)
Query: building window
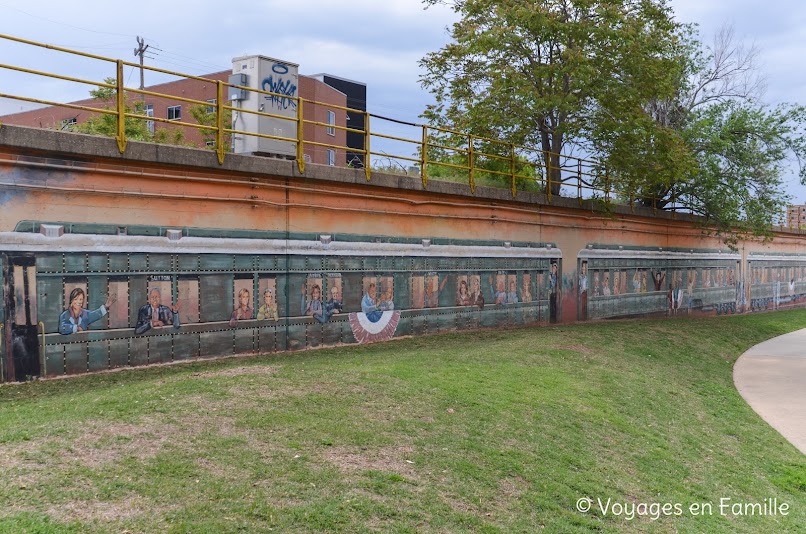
(331, 157)
(212, 106)
(149, 109)
(174, 113)
(331, 119)
(67, 124)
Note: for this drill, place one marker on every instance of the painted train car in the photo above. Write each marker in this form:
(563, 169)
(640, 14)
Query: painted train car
(84, 298)
(640, 281)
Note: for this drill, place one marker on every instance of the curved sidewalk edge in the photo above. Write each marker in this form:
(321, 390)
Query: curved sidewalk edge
(772, 379)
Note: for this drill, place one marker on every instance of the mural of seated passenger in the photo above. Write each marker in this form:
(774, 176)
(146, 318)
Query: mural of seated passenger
(244, 310)
(369, 305)
(155, 315)
(268, 310)
(334, 304)
(377, 320)
(315, 308)
(76, 318)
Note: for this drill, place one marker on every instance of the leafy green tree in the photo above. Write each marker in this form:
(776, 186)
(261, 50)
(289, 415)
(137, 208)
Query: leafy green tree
(135, 129)
(713, 148)
(205, 117)
(536, 73)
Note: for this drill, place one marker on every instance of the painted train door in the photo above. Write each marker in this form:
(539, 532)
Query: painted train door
(22, 342)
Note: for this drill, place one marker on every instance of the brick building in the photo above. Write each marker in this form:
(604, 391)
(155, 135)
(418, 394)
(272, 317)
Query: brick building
(796, 216)
(313, 89)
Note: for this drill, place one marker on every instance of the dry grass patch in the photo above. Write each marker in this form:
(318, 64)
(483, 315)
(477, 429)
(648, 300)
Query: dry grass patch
(387, 459)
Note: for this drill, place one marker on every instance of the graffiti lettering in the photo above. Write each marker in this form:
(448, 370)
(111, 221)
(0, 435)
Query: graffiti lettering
(281, 87)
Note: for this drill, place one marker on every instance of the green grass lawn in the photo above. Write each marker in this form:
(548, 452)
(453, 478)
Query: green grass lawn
(494, 431)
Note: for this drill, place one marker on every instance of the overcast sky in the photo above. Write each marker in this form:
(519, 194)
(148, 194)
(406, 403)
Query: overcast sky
(378, 42)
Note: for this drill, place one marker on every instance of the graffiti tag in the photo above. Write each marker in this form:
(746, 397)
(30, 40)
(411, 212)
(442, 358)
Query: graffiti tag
(279, 86)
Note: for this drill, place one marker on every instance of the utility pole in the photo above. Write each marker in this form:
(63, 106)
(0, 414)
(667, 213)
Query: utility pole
(139, 51)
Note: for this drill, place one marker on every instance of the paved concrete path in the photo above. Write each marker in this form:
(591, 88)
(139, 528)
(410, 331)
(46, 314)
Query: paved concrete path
(772, 379)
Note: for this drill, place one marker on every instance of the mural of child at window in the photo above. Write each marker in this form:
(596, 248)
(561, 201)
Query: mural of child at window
(75, 318)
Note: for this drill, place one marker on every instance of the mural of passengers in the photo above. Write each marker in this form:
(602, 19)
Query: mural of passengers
(369, 302)
(512, 291)
(553, 290)
(386, 293)
(334, 302)
(526, 287)
(311, 302)
(583, 290)
(378, 319)
(155, 314)
(616, 283)
(76, 318)
(606, 284)
(433, 288)
(243, 309)
(267, 311)
(499, 289)
(658, 277)
(462, 291)
(476, 295)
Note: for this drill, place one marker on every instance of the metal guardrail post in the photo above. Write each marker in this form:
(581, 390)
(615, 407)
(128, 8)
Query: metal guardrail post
(367, 153)
(300, 138)
(579, 181)
(471, 164)
(424, 159)
(219, 133)
(121, 108)
(512, 167)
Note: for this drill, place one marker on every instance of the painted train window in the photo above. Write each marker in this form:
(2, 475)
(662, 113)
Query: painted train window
(76, 316)
(378, 319)
(159, 311)
(188, 298)
(433, 288)
(243, 304)
(468, 291)
(417, 297)
(267, 310)
(119, 311)
(320, 301)
(505, 288)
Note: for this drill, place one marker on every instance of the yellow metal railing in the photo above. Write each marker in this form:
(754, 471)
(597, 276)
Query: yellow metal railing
(440, 153)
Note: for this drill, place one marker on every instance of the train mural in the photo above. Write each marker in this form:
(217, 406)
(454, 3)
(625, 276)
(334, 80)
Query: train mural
(110, 261)
(84, 302)
(87, 302)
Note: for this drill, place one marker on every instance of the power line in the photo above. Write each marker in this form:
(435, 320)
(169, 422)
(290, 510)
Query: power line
(64, 24)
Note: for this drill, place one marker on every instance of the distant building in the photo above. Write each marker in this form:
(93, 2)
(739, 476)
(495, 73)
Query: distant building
(356, 93)
(327, 90)
(796, 216)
